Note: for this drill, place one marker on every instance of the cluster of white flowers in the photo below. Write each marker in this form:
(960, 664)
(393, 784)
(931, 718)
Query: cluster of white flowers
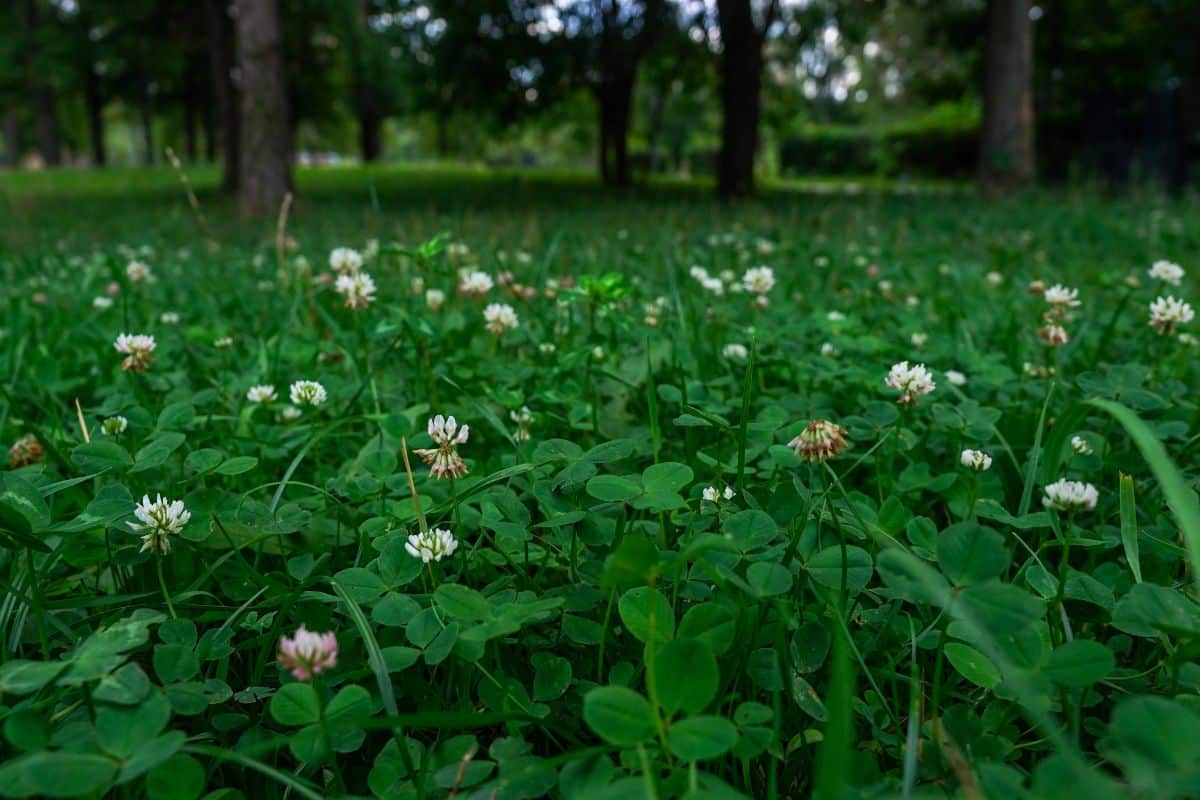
(759, 280)
(434, 299)
(114, 426)
(919, 339)
(976, 460)
(994, 279)
(1065, 495)
(524, 419)
(137, 349)
(709, 282)
(356, 288)
(1080, 446)
(432, 545)
(444, 460)
(102, 302)
(955, 377)
(500, 317)
(712, 494)
(829, 350)
(159, 519)
(910, 381)
(307, 393)
(307, 653)
(1167, 272)
(263, 393)
(1167, 313)
(223, 341)
(474, 282)
(169, 318)
(137, 271)
(1059, 295)
(345, 261)
(735, 352)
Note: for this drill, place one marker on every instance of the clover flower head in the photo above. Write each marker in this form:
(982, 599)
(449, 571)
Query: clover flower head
(114, 426)
(500, 317)
(169, 318)
(263, 393)
(345, 261)
(910, 381)
(1053, 334)
(1166, 313)
(524, 419)
(829, 349)
(712, 494)
(356, 288)
(136, 347)
(290, 414)
(444, 460)
(158, 520)
(432, 545)
(307, 393)
(136, 271)
(1059, 295)
(735, 352)
(976, 460)
(25, 451)
(306, 653)
(994, 279)
(102, 302)
(434, 299)
(955, 377)
(759, 280)
(820, 439)
(1166, 271)
(1080, 446)
(474, 282)
(1065, 495)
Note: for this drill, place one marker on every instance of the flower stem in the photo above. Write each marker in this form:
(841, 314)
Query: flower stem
(162, 583)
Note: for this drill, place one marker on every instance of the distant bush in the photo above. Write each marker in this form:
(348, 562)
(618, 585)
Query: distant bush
(941, 143)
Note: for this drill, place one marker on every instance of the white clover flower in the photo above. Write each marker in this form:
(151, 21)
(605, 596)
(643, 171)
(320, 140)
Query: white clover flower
(345, 261)
(1167, 272)
(727, 275)
(598, 353)
(500, 317)
(356, 288)
(307, 393)
(371, 251)
(1066, 495)
(912, 301)
(1189, 339)
(976, 460)
(290, 414)
(1059, 295)
(458, 250)
(444, 460)
(432, 545)
(169, 318)
(307, 653)
(223, 342)
(1167, 312)
(1080, 446)
(474, 282)
(524, 419)
(919, 339)
(759, 280)
(712, 494)
(698, 272)
(821, 261)
(764, 247)
(434, 299)
(546, 348)
(114, 426)
(910, 382)
(137, 272)
(835, 316)
(1053, 334)
(137, 349)
(955, 377)
(102, 302)
(159, 520)
(263, 393)
(735, 352)
(885, 287)
(829, 350)
(994, 279)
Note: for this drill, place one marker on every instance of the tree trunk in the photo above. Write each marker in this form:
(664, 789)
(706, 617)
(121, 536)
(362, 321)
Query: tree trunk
(370, 130)
(741, 84)
(615, 101)
(46, 123)
(210, 134)
(1006, 155)
(658, 109)
(12, 139)
(95, 114)
(266, 152)
(219, 30)
(147, 115)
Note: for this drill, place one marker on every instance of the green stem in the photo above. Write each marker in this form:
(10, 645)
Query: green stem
(39, 604)
(162, 583)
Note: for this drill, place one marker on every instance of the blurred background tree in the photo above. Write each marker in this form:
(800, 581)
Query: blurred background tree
(1003, 90)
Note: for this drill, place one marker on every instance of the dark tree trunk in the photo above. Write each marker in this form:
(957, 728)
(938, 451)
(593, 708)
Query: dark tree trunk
(370, 135)
(658, 109)
(1006, 155)
(95, 114)
(190, 147)
(147, 115)
(615, 100)
(266, 152)
(210, 133)
(12, 139)
(741, 85)
(219, 30)
(46, 123)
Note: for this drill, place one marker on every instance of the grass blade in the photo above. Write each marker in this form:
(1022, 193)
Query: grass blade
(1129, 531)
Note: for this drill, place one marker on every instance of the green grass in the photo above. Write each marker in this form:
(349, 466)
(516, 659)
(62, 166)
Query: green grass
(883, 623)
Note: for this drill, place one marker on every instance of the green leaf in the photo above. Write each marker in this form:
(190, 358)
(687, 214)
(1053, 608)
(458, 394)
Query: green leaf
(613, 488)
(826, 567)
(700, 738)
(710, 623)
(1079, 663)
(200, 461)
(685, 676)
(55, 773)
(647, 614)
(972, 665)
(667, 477)
(101, 454)
(618, 715)
(175, 662)
(1129, 528)
(238, 465)
(295, 704)
(176, 416)
(970, 553)
(22, 677)
(361, 584)
(635, 561)
(1001, 608)
(180, 777)
(767, 578)
(462, 602)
